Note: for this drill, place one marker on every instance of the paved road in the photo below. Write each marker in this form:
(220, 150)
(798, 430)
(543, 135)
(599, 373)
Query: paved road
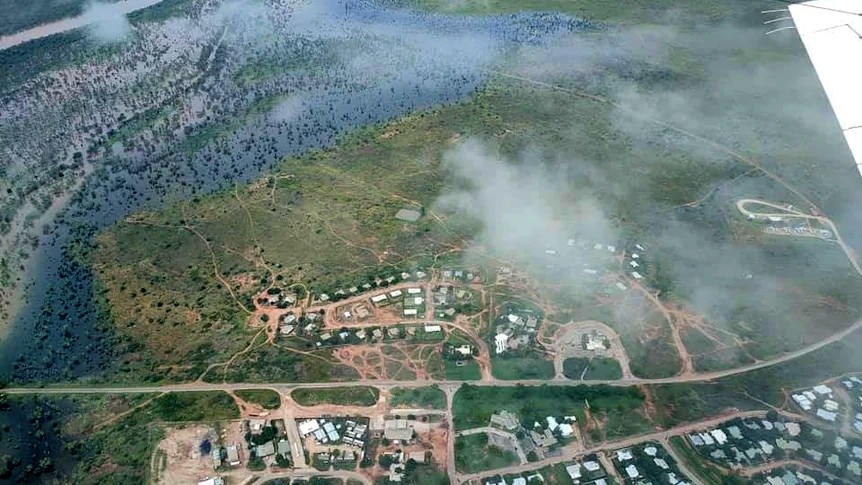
(308, 473)
(202, 386)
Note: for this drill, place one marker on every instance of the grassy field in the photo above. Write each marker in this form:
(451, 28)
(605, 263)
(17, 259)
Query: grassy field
(431, 397)
(473, 406)
(266, 398)
(598, 368)
(515, 368)
(343, 396)
(469, 371)
(270, 363)
(474, 454)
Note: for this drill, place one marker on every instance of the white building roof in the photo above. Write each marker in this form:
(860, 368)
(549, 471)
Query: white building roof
(624, 455)
(830, 31)
(632, 471)
(310, 426)
(826, 415)
(821, 389)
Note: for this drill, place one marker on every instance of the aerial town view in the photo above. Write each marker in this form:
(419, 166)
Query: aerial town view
(486, 242)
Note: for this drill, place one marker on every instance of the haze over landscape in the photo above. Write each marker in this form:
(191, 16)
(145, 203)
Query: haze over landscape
(425, 241)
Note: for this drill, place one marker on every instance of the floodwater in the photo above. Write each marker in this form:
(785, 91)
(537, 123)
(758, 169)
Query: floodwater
(61, 335)
(126, 7)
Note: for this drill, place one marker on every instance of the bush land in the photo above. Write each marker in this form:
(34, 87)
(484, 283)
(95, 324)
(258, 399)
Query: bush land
(343, 396)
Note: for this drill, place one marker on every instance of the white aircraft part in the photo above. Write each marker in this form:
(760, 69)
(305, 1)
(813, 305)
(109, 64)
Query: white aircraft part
(831, 31)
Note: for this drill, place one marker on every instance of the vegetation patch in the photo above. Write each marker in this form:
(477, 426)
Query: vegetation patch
(592, 368)
(516, 368)
(473, 453)
(342, 396)
(266, 398)
(474, 405)
(431, 397)
(463, 370)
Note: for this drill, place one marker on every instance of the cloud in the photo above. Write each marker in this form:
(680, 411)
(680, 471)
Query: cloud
(524, 208)
(107, 22)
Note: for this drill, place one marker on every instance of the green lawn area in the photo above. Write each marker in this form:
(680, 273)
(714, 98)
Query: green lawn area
(514, 368)
(598, 368)
(469, 371)
(267, 398)
(431, 397)
(474, 454)
(473, 405)
(344, 396)
(193, 406)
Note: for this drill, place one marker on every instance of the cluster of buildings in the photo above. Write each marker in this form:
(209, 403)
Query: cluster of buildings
(376, 282)
(412, 300)
(780, 476)
(277, 298)
(514, 329)
(449, 299)
(853, 385)
(820, 401)
(397, 462)
(519, 480)
(588, 471)
(543, 439)
(291, 323)
(648, 463)
(265, 441)
(460, 274)
(749, 442)
(325, 431)
(798, 230)
(428, 331)
(635, 263)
